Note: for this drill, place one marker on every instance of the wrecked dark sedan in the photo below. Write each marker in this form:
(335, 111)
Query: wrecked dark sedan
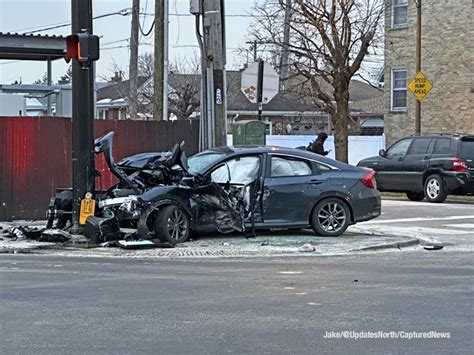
(251, 188)
(167, 197)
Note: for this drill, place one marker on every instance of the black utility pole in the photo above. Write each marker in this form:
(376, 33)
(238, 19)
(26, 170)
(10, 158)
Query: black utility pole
(133, 70)
(82, 114)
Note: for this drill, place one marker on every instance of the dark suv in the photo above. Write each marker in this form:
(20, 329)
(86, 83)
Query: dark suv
(427, 166)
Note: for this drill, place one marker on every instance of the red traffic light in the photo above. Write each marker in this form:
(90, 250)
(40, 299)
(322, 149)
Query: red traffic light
(83, 47)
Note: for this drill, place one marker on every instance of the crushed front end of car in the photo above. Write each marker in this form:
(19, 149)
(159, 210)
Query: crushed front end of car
(155, 198)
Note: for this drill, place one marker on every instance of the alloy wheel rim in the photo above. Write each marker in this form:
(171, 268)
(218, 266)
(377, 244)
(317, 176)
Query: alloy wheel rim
(332, 217)
(177, 225)
(433, 188)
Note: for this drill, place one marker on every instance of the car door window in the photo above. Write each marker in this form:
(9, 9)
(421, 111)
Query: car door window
(243, 170)
(420, 146)
(283, 166)
(399, 149)
(442, 146)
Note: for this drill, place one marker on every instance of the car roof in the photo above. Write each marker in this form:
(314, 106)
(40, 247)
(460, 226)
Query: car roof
(448, 135)
(255, 149)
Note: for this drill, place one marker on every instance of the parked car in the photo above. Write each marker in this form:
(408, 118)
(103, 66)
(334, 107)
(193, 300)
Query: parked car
(430, 166)
(166, 196)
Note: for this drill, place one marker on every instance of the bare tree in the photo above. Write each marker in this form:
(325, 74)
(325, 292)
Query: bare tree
(184, 85)
(328, 42)
(43, 80)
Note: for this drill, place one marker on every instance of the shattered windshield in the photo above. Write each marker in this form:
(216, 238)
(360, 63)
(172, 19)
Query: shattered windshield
(198, 163)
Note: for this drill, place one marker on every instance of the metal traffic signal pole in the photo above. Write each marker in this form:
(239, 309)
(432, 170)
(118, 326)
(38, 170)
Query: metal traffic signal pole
(82, 114)
(418, 64)
(261, 66)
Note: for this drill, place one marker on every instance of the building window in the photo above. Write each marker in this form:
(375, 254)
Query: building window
(399, 90)
(399, 13)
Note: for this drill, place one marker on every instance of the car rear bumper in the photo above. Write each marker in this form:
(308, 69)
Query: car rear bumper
(458, 183)
(367, 207)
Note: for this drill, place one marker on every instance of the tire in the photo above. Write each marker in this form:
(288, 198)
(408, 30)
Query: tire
(415, 196)
(172, 225)
(330, 217)
(434, 189)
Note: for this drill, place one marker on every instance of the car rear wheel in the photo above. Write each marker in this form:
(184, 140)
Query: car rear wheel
(434, 189)
(415, 196)
(330, 217)
(172, 225)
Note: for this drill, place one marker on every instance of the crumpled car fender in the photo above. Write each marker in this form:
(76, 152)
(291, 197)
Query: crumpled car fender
(145, 222)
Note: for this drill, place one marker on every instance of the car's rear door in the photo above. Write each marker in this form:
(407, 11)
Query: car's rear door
(416, 161)
(390, 168)
(291, 186)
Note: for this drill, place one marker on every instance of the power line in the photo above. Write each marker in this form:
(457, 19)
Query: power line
(149, 31)
(123, 12)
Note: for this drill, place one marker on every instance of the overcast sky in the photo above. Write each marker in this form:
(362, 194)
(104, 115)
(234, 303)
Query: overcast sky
(27, 15)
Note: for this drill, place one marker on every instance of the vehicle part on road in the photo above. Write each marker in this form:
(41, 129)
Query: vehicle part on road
(172, 225)
(434, 189)
(330, 217)
(415, 196)
(102, 229)
(433, 247)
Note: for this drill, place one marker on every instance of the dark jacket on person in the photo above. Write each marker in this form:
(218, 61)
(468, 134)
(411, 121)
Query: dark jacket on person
(318, 145)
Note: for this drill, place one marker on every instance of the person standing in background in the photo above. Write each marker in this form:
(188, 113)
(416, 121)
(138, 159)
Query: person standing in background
(318, 145)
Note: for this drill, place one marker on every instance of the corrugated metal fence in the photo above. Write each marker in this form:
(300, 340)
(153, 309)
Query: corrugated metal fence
(35, 156)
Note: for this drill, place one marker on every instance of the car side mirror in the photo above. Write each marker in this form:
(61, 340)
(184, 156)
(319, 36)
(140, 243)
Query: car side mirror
(383, 153)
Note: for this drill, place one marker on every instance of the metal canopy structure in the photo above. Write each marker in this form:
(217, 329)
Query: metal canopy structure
(31, 47)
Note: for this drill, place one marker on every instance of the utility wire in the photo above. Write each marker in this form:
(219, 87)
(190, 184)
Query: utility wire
(151, 29)
(123, 12)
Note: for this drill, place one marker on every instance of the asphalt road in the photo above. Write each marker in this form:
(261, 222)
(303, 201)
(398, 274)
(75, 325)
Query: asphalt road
(58, 305)
(451, 223)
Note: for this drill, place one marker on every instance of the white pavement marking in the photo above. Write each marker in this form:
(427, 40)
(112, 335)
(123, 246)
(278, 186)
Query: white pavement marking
(290, 272)
(460, 225)
(418, 219)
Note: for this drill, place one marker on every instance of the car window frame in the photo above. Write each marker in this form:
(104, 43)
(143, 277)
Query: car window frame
(450, 148)
(388, 156)
(312, 162)
(310, 165)
(216, 166)
(410, 148)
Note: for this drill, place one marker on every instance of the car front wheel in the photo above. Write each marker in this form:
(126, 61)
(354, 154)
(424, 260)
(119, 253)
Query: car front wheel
(415, 196)
(172, 225)
(330, 217)
(434, 189)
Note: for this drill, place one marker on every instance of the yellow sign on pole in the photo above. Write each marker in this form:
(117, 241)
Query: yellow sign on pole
(420, 86)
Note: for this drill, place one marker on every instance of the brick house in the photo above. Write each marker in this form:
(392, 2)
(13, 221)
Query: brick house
(447, 61)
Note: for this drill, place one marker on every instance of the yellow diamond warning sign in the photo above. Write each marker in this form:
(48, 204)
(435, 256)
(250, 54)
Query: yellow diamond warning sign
(420, 86)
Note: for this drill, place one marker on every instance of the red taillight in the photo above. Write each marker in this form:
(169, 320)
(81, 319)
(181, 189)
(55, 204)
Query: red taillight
(458, 165)
(369, 179)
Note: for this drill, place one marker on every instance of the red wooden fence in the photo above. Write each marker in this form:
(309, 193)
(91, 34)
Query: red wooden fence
(35, 156)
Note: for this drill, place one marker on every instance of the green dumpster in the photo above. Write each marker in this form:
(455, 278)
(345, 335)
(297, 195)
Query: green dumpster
(249, 133)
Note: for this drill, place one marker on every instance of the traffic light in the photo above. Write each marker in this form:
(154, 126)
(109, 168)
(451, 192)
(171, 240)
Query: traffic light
(83, 47)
